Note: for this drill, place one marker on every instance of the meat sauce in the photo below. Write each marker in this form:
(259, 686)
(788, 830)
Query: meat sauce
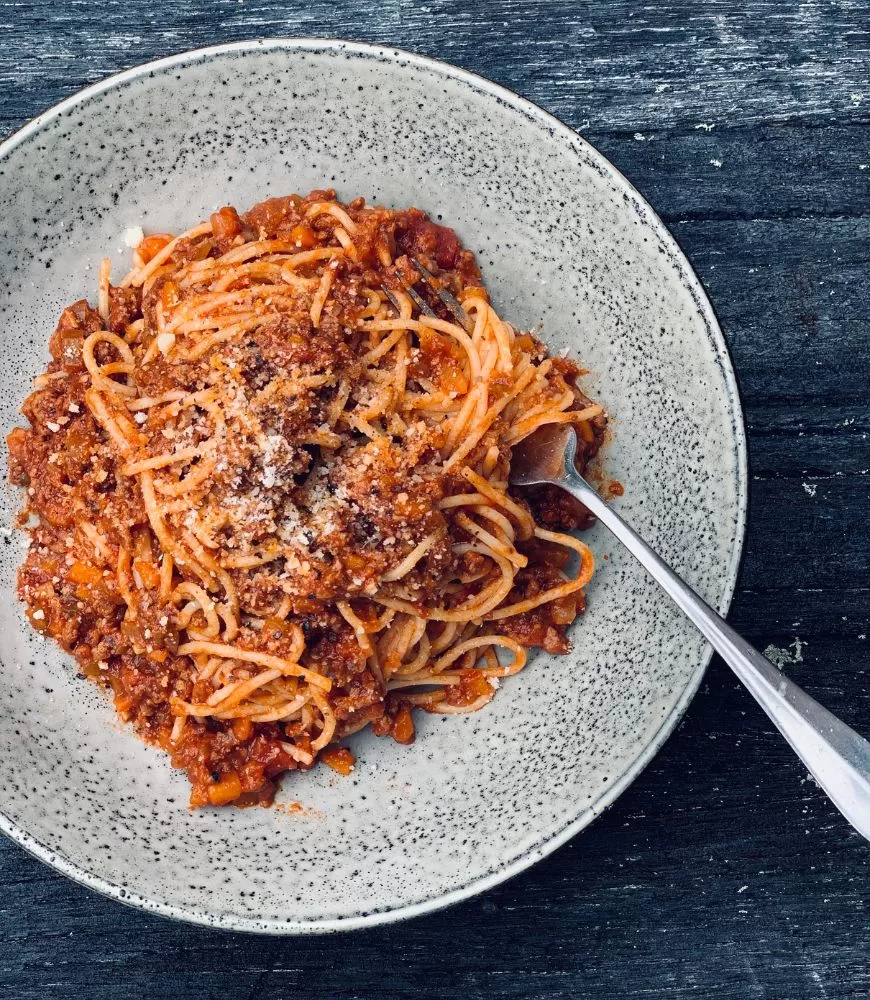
(63, 463)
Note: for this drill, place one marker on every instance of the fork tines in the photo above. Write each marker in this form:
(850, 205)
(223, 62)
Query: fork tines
(419, 302)
(451, 303)
(449, 300)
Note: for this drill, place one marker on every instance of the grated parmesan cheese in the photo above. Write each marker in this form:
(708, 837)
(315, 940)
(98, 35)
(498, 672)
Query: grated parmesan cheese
(133, 236)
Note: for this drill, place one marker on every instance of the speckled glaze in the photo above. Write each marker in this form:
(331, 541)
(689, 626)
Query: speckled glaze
(564, 241)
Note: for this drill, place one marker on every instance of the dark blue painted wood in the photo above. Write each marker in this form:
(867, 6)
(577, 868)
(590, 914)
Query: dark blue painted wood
(723, 871)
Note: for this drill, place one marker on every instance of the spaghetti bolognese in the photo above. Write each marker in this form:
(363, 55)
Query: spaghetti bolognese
(267, 489)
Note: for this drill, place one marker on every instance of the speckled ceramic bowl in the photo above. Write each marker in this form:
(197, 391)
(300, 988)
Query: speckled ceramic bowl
(564, 241)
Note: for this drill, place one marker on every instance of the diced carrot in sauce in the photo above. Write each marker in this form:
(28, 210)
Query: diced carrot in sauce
(451, 380)
(242, 729)
(170, 294)
(152, 245)
(37, 619)
(123, 704)
(403, 726)
(226, 790)
(199, 796)
(148, 574)
(303, 237)
(303, 742)
(472, 685)
(277, 626)
(225, 224)
(340, 759)
(82, 572)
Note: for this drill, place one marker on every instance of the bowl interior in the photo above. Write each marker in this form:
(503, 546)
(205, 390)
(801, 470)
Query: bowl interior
(563, 242)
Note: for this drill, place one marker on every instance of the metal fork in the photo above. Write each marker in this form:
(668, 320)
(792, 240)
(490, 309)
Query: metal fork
(450, 301)
(837, 757)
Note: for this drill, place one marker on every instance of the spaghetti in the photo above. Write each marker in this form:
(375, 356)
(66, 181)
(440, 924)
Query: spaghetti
(268, 495)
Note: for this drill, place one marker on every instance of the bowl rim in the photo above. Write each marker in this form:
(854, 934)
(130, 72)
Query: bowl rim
(576, 821)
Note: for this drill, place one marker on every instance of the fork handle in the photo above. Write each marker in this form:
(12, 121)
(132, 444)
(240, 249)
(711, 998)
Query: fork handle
(836, 756)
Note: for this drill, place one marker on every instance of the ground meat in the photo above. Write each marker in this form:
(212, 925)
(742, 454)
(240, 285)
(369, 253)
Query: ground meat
(225, 227)
(544, 626)
(125, 304)
(290, 340)
(273, 214)
(417, 235)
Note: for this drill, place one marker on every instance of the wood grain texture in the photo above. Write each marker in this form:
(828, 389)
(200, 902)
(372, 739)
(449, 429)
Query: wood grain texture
(723, 871)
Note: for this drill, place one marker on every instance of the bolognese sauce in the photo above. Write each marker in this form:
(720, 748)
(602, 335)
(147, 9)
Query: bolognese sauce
(267, 490)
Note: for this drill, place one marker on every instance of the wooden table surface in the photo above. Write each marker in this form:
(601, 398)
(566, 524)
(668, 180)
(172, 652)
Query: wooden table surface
(723, 871)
